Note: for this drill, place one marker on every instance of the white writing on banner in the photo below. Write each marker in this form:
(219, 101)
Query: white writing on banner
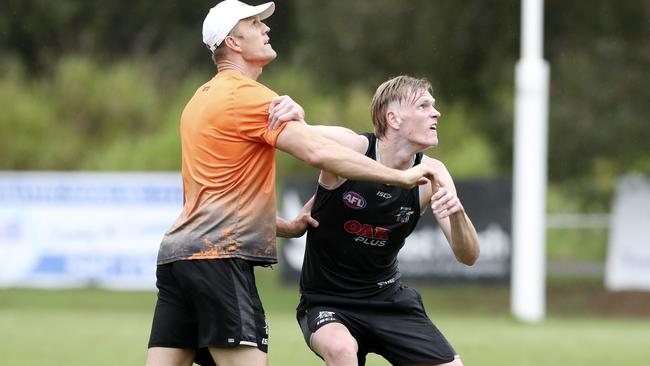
(628, 256)
(76, 229)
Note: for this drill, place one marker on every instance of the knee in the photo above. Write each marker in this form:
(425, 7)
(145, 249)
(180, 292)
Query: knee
(338, 349)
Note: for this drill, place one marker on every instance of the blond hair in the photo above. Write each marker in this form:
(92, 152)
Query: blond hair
(401, 89)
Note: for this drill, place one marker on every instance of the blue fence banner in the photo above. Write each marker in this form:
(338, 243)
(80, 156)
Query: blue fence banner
(83, 228)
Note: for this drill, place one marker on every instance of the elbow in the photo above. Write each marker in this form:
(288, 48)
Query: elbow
(315, 160)
(470, 261)
(469, 258)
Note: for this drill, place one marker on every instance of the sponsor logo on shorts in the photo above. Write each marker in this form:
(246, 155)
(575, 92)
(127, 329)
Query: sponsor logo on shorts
(387, 282)
(366, 233)
(267, 329)
(354, 200)
(325, 316)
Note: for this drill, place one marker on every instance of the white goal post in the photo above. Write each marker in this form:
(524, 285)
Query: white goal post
(529, 169)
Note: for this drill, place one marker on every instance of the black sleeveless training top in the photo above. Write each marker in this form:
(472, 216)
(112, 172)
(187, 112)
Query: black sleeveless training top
(353, 252)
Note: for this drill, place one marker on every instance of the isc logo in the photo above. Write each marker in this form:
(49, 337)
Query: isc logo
(385, 195)
(354, 200)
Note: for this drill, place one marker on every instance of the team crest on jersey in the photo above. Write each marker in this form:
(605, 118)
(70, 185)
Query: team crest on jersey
(354, 200)
(404, 214)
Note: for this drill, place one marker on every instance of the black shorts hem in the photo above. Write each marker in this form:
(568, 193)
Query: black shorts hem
(434, 361)
(170, 345)
(233, 345)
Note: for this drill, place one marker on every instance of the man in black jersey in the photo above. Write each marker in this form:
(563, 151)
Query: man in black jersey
(352, 300)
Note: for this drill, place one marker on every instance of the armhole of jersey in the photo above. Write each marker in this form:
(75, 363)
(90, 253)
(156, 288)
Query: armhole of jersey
(423, 204)
(368, 136)
(333, 186)
(341, 179)
(419, 158)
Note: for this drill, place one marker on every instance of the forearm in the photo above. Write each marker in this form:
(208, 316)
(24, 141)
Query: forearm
(464, 239)
(345, 162)
(284, 229)
(303, 142)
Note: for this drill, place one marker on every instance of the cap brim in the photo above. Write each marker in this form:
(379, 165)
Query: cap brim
(265, 10)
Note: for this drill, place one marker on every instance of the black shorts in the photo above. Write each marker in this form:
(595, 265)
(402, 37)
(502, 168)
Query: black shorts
(396, 328)
(208, 303)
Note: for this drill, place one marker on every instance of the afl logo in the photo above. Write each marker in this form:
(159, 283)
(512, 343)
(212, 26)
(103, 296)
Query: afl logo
(354, 200)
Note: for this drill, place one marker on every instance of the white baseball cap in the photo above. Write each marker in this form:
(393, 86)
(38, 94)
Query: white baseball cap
(223, 17)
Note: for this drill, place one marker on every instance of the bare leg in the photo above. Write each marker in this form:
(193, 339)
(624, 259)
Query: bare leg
(164, 356)
(336, 345)
(239, 356)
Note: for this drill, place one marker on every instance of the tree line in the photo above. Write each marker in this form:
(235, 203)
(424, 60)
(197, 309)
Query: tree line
(598, 53)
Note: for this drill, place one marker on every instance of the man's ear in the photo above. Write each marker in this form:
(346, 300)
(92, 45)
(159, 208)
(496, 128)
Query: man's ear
(393, 119)
(231, 42)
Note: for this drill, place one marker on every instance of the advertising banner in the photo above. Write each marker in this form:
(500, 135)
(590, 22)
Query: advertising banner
(628, 257)
(80, 229)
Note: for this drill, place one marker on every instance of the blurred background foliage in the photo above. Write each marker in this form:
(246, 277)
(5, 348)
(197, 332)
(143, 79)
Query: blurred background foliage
(95, 85)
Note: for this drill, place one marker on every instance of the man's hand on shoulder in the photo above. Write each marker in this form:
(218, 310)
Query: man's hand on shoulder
(284, 109)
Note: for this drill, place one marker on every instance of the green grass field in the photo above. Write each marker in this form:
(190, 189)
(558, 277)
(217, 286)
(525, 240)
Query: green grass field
(99, 327)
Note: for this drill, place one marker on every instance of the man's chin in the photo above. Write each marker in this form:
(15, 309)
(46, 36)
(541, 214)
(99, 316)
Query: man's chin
(269, 58)
(431, 144)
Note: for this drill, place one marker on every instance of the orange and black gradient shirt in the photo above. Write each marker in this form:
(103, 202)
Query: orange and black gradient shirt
(228, 174)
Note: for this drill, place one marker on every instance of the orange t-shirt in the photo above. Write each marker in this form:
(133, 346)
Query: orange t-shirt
(228, 174)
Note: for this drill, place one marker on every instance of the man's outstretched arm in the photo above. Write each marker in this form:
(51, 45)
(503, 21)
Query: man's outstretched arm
(304, 143)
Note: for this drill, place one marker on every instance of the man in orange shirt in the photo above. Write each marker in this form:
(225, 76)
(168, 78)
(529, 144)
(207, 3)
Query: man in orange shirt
(207, 299)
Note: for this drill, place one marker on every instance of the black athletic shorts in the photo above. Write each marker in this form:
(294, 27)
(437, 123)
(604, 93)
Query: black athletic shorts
(397, 328)
(208, 303)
